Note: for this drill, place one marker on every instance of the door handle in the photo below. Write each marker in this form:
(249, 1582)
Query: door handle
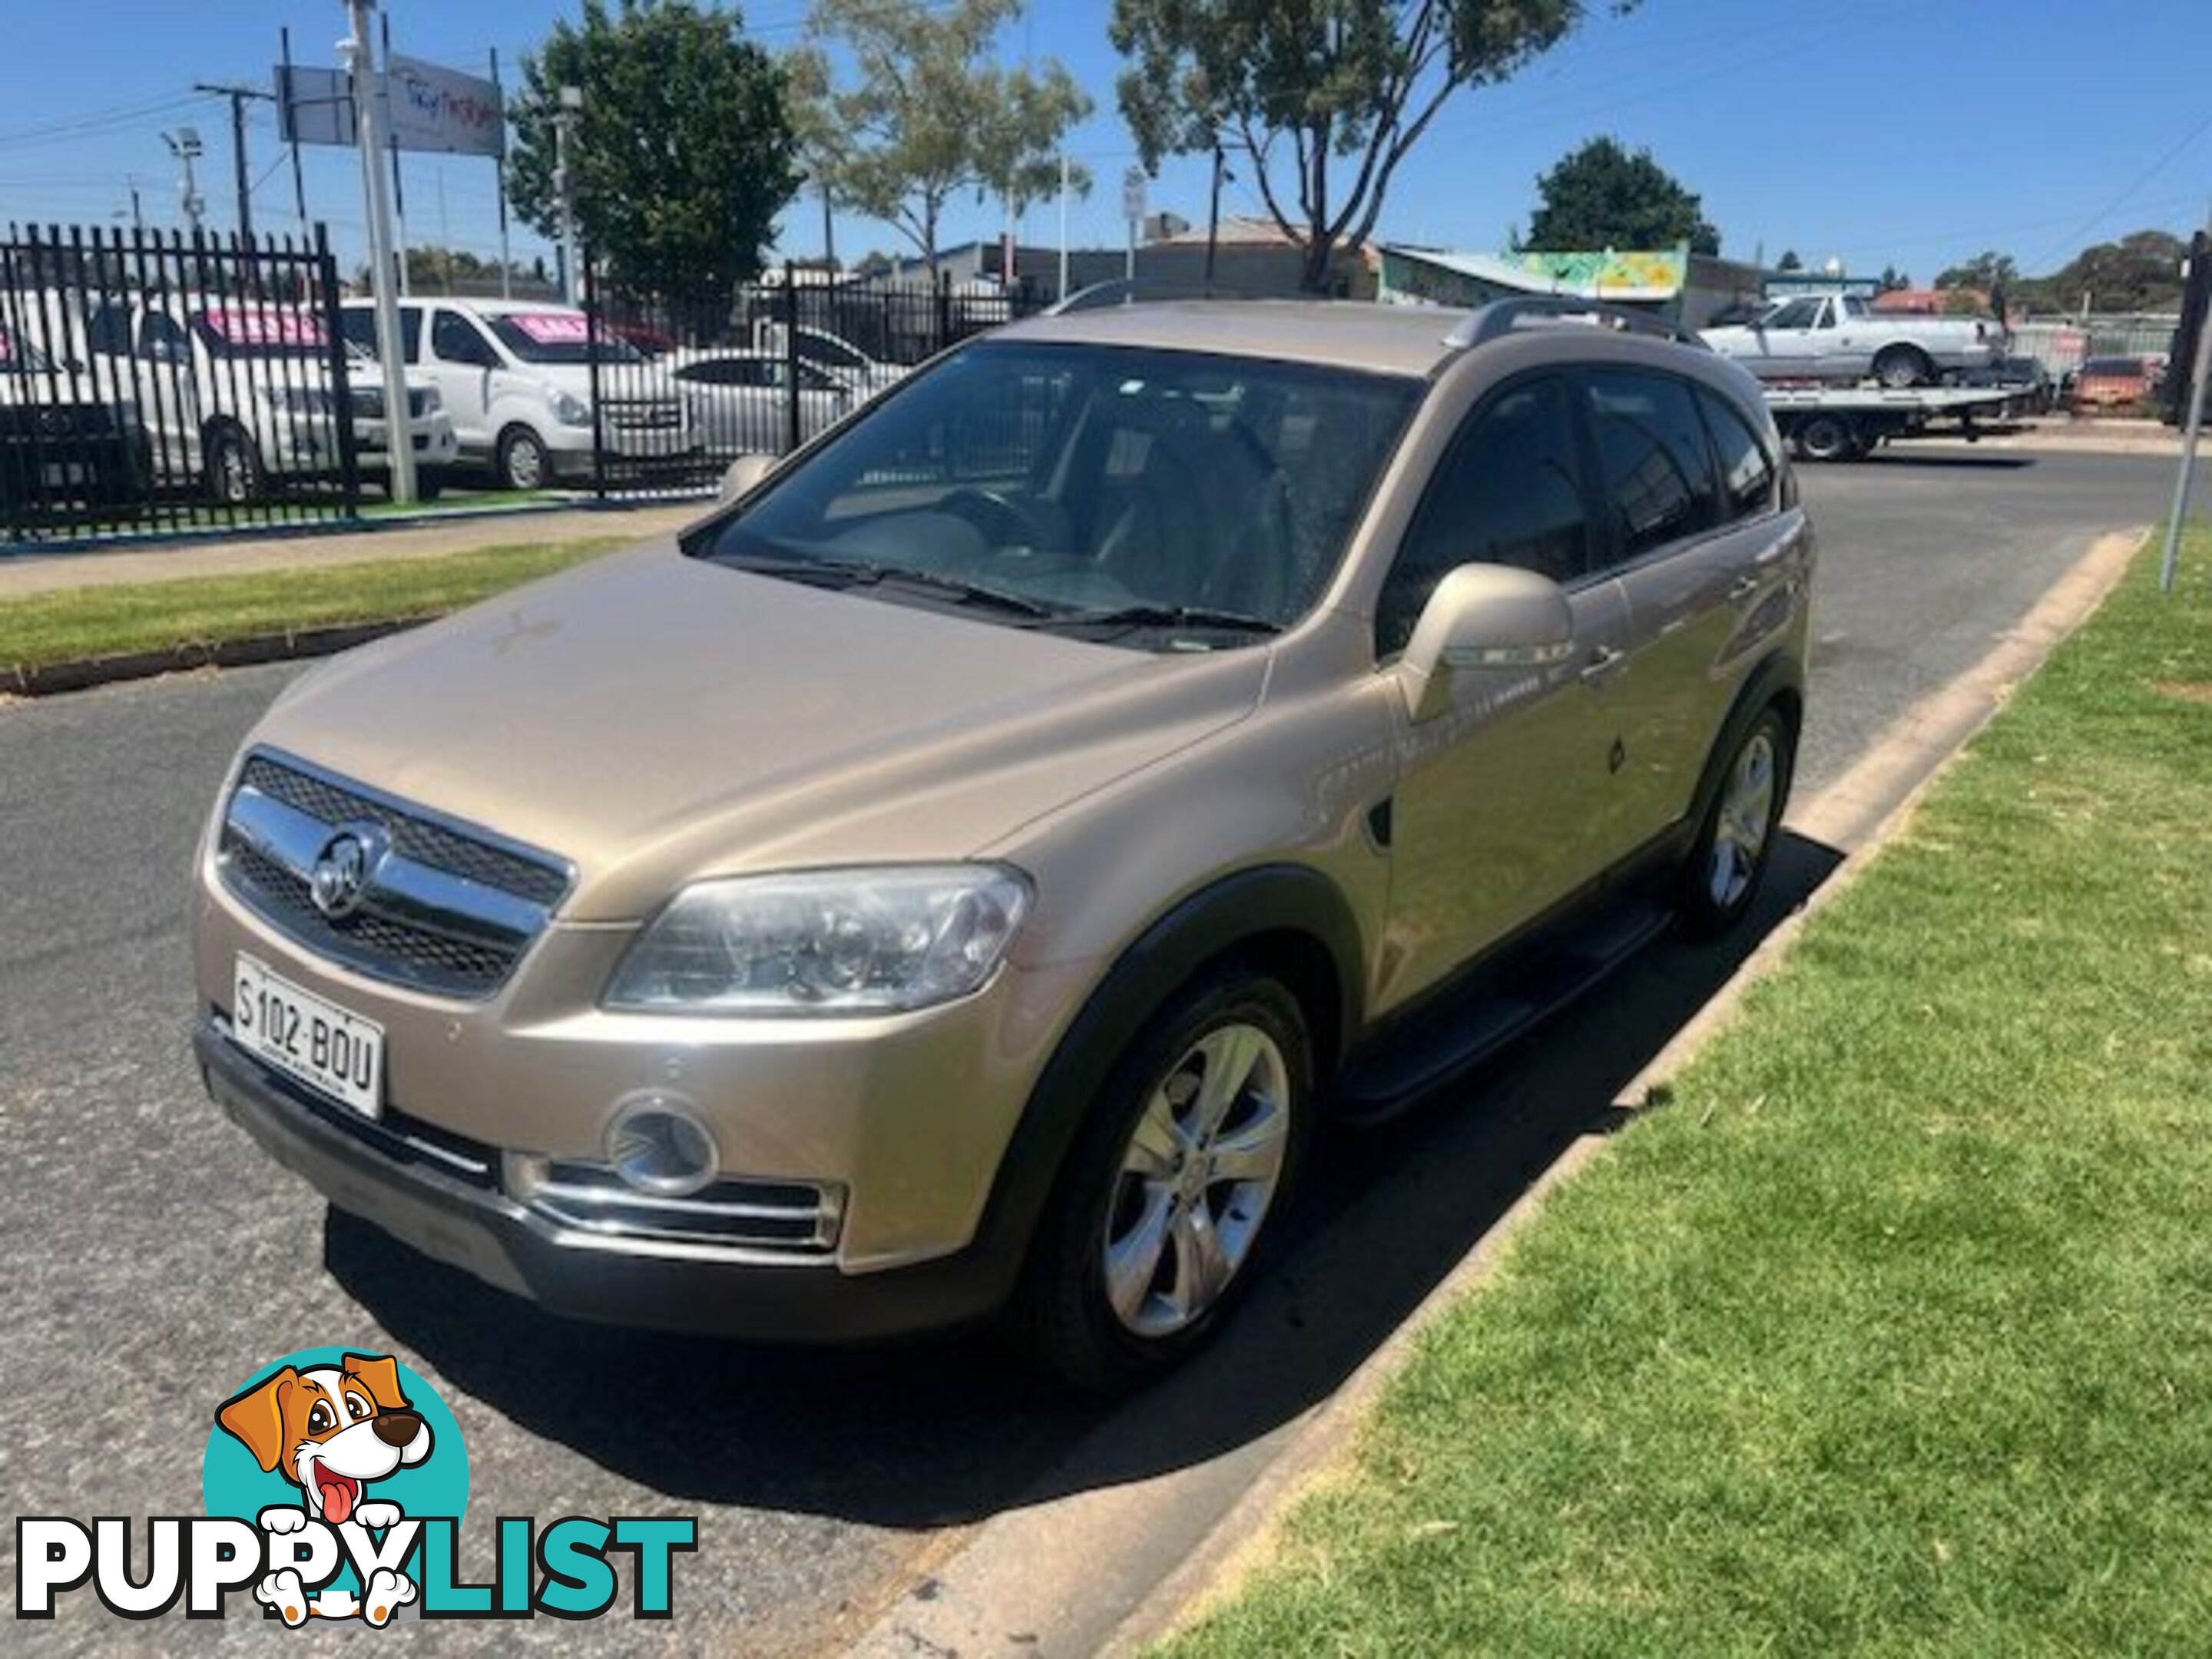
(1744, 587)
(1603, 662)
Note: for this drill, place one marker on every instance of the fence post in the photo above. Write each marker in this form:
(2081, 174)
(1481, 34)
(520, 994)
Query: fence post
(399, 409)
(592, 358)
(790, 358)
(944, 313)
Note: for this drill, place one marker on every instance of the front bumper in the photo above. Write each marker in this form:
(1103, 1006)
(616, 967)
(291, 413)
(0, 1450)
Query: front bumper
(367, 1170)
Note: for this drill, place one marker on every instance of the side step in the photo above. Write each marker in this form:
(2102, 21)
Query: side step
(1442, 1042)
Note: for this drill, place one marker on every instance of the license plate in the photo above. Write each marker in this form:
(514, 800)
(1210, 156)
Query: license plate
(331, 1051)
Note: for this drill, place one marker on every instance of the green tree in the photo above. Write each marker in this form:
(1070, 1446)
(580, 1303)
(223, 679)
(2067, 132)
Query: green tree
(2140, 272)
(1789, 261)
(1347, 88)
(1604, 195)
(1894, 279)
(681, 157)
(926, 114)
(1984, 271)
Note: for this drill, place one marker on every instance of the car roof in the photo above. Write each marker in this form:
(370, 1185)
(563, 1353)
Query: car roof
(1380, 338)
(1342, 334)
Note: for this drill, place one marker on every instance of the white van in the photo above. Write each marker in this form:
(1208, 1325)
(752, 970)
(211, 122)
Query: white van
(516, 377)
(234, 393)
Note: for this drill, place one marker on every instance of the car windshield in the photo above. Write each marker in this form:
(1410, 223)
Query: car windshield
(1139, 496)
(559, 336)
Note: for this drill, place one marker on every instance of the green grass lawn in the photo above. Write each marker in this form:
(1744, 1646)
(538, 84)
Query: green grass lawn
(1890, 1333)
(100, 622)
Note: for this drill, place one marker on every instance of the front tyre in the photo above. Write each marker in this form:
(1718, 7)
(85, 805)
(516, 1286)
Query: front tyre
(521, 462)
(1736, 842)
(1174, 1188)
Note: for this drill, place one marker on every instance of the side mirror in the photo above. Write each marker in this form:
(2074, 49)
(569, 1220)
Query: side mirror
(1484, 617)
(744, 475)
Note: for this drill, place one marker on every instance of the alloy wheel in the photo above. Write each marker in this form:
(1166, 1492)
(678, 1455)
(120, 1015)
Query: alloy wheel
(1746, 820)
(1197, 1175)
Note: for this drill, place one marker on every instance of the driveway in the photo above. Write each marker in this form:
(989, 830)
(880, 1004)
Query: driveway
(152, 1247)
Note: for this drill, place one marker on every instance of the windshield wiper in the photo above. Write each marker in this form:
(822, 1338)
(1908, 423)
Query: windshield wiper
(1197, 616)
(854, 572)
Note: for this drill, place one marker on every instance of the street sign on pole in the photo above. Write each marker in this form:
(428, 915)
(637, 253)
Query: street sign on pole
(359, 52)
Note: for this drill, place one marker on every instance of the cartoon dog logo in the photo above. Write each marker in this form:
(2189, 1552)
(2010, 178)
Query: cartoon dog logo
(330, 1430)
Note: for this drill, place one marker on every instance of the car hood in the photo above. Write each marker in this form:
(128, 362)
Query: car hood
(654, 718)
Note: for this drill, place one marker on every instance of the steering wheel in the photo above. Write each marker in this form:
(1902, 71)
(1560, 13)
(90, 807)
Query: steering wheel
(1002, 521)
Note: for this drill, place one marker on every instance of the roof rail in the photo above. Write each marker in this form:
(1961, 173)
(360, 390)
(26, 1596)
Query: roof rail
(1501, 317)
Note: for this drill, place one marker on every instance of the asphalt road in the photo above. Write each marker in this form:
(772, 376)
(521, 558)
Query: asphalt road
(155, 1260)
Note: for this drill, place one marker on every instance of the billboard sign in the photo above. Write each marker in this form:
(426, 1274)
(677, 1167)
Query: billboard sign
(428, 108)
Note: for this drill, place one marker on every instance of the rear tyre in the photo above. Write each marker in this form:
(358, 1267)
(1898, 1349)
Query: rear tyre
(1174, 1189)
(1901, 367)
(1736, 843)
(1827, 438)
(521, 462)
(429, 483)
(234, 473)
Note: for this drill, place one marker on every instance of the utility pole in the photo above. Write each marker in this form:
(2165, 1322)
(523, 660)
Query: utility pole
(1063, 225)
(1213, 216)
(358, 53)
(2198, 293)
(185, 144)
(137, 205)
(238, 96)
(564, 186)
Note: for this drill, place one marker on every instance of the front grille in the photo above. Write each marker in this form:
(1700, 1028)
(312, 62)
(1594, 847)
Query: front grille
(445, 908)
(467, 856)
(795, 1218)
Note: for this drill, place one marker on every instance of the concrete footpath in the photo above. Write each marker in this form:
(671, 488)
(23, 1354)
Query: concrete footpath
(22, 574)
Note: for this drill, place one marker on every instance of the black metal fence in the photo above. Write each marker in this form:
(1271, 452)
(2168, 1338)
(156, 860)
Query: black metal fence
(155, 383)
(684, 383)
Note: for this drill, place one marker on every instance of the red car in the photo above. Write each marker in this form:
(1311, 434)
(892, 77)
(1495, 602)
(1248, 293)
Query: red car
(2108, 383)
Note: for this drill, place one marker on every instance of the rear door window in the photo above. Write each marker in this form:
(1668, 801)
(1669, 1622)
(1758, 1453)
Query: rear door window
(1656, 464)
(1747, 469)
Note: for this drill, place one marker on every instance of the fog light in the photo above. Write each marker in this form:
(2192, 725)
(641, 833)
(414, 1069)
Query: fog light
(523, 1173)
(658, 1144)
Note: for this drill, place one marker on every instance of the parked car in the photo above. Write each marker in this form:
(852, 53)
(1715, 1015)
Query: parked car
(2025, 377)
(954, 878)
(61, 443)
(1838, 336)
(838, 358)
(516, 376)
(2112, 383)
(238, 395)
(740, 402)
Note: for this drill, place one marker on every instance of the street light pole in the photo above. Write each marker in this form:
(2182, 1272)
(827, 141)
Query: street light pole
(572, 103)
(358, 56)
(185, 144)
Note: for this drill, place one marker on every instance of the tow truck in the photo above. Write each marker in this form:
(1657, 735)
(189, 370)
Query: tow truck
(1848, 423)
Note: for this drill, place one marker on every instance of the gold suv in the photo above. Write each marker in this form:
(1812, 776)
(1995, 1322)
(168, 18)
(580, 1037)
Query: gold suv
(956, 877)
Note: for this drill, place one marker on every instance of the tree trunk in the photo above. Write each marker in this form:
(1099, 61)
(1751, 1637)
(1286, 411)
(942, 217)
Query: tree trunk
(1314, 276)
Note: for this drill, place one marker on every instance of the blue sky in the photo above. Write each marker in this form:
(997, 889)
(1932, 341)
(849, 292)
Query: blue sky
(1905, 133)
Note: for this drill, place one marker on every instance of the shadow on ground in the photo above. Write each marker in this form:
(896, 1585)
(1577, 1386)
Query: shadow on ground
(953, 1431)
(1894, 457)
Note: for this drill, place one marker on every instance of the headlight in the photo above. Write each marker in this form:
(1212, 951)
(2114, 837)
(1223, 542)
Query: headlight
(571, 411)
(296, 399)
(825, 942)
